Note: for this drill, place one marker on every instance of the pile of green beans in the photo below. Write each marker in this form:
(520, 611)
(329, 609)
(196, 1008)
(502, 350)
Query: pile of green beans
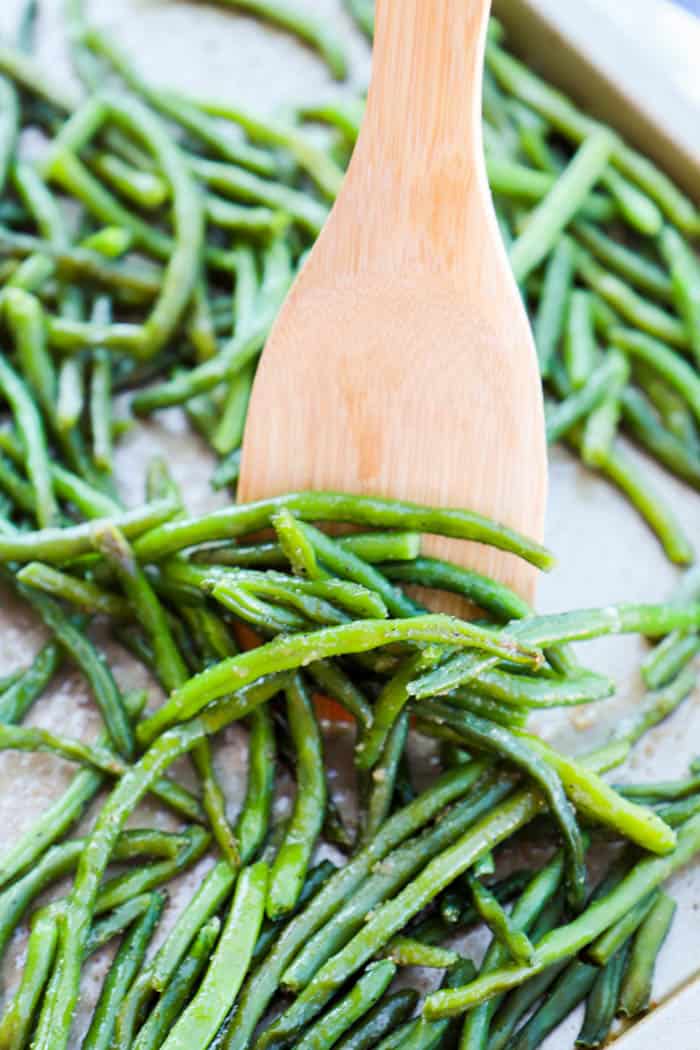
(147, 250)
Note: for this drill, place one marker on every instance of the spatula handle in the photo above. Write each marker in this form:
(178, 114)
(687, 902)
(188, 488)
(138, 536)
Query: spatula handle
(419, 161)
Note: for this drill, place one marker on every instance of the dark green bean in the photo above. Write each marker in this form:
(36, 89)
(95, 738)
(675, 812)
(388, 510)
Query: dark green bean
(289, 870)
(126, 965)
(385, 1017)
(602, 1001)
(486, 736)
(31, 431)
(685, 278)
(383, 778)
(260, 989)
(635, 995)
(174, 999)
(93, 665)
(204, 1015)
(16, 700)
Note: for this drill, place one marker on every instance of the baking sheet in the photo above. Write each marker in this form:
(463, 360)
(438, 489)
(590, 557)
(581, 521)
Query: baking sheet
(605, 552)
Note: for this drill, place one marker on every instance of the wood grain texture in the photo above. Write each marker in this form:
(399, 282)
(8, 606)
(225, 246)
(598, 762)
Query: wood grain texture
(402, 363)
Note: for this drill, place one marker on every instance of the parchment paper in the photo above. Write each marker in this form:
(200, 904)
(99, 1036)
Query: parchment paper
(605, 552)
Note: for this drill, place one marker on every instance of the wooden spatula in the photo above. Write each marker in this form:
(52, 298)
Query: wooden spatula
(402, 363)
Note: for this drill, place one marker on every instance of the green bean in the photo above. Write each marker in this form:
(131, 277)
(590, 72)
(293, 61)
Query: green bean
(552, 311)
(178, 109)
(243, 347)
(676, 813)
(316, 162)
(17, 699)
(573, 986)
(115, 922)
(633, 307)
(583, 625)
(39, 202)
(372, 512)
(144, 188)
(93, 860)
(490, 595)
(141, 281)
(383, 777)
(580, 350)
(315, 599)
(373, 547)
(604, 947)
(269, 932)
(56, 820)
(243, 218)
(228, 435)
(636, 207)
(612, 370)
(665, 790)
(9, 127)
(31, 431)
(627, 263)
(66, 168)
(674, 412)
(289, 870)
(32, 275)
(592, 796)
(171, 1004)
(661, 518)
(394, 914)
(311, 30)
(52, 865)
(580, 688)
(232, 181)
(260, 989)
(227, 969)
(86, 596)
(519, 1003)
(71, 394)
(603, 1000)
(685, 277)
(363, 13)
(16, 1022)
(492, 738)
(285, 654)
(60, 545)
(170, 669)
(637, 984)
(560, 205)
(101, 410)
(385, 1017)
(514, 940)
(514, 76)
(21, 738)
(334, 682)
(296, 546)
(533, 904)
(347, 565)
(161, 971)
(430, 1035)
(567, 940)
(668, 659)
(92, 664)
(406, 951)
(642, 421)
(370, 987)
(254, 819)
(126, 965)
(27, 72)
(655, 707)
(388, 708)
